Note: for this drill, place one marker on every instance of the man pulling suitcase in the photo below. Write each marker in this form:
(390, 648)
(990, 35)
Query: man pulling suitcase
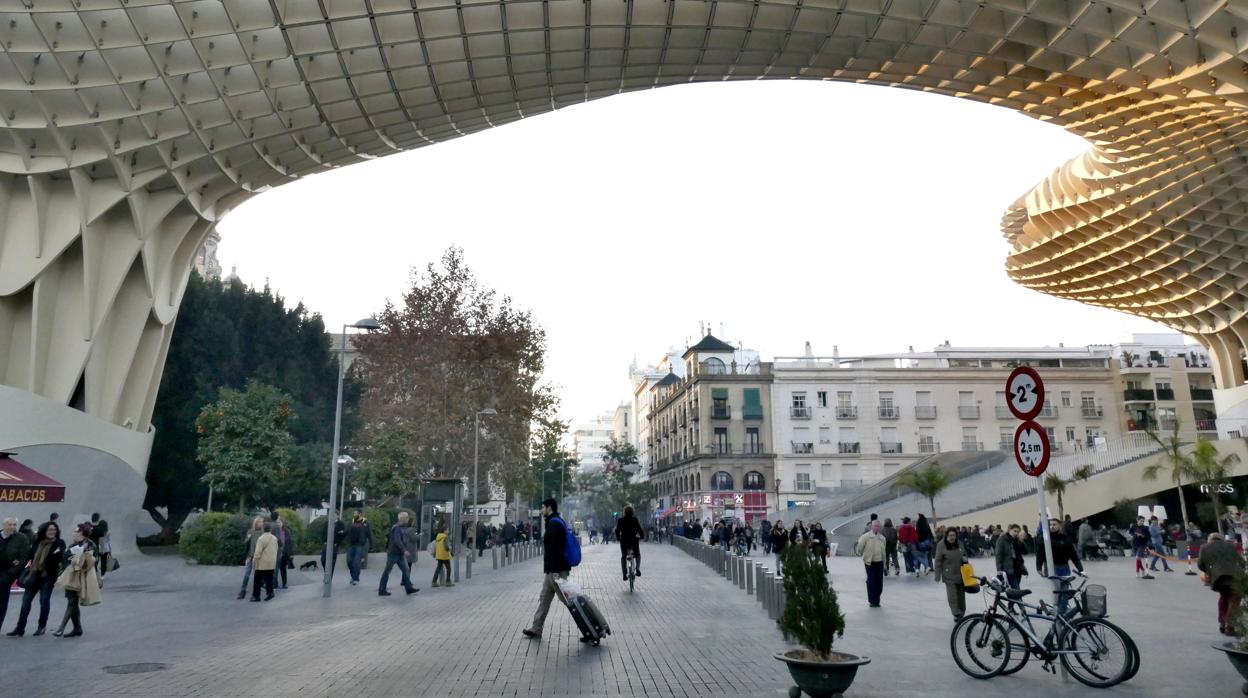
(554, 564)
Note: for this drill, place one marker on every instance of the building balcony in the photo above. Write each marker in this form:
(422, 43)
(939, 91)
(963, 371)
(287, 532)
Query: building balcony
(1004, 412)
(725, 413)
(929, 447)
(846, 412)
(1006, 445)
(890, 447)
(803, 447)
(1165, 393)
(1207, 425)
(1049, 410)
(973, 445)
(1092, 412)
(968, 411)
(799, 412)
(721, 449)
(848, 447)
(1202, 394)
(1138, 395)
(754, 414)
(889, 412)
(925, 412)
(754, 449)
(1166, 424)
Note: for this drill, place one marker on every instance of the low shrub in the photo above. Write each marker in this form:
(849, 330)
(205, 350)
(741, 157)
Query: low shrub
(215, 538)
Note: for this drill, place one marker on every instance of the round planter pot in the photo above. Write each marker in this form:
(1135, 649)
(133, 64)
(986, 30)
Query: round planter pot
(818, 678)
(1239, 660)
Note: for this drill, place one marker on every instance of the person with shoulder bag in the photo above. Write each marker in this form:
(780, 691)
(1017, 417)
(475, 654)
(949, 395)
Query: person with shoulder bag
(950, 556)
(39, 578)
(81, 585)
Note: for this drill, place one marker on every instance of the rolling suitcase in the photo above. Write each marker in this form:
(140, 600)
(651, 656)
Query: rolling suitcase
(588, 618)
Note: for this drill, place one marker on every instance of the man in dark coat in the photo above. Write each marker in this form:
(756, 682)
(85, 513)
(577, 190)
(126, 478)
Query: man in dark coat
(554, 564)
(399, 550)
(509, 537)
(14, 552)
(1224, 570)
(628, 533)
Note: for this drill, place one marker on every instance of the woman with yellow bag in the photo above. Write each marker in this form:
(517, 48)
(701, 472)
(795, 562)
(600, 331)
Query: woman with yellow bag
(950, 556)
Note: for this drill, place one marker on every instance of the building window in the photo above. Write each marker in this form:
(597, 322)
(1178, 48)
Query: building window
(799, 399)
(844, 399)
(721, 440)
(753, 445)
(825, 472)
(1070, 433)
(803, 482)
(825, 435)
(822, 396)
(721, 481)
(970, 439)
(1065, 398)
(753, 404)
(719, 404)
(715, 367)
(754, 481)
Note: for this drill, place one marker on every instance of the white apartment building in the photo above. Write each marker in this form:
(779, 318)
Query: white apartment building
(643, 379)
(1167, 379)
(589, 439)
(844, 423)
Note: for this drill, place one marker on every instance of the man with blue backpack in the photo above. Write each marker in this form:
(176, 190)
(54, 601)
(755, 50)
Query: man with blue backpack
(561, 552)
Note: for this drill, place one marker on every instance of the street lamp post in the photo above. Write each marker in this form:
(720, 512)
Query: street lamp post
(365, 324)
(476, 445)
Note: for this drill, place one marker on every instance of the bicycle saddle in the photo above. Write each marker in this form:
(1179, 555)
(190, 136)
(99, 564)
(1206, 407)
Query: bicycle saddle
(1016, 594)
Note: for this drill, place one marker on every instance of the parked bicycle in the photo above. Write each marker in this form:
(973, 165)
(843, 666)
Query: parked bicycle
(1000, 641)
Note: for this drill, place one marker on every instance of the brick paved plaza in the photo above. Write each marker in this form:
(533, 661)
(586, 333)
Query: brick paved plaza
(685, 632)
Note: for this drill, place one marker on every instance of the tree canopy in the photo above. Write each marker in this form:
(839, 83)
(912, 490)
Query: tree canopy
(244, 440)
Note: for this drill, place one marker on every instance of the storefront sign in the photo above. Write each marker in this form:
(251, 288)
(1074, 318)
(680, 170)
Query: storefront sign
(19, 483)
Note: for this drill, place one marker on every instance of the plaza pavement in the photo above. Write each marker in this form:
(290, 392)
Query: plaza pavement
(684, 632)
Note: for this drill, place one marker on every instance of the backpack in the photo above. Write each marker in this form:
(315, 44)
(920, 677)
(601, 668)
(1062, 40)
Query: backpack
(572, 546)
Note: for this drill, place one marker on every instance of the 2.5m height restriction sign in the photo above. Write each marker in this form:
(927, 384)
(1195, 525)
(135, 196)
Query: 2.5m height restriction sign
(1031, 448)
(1024, 393)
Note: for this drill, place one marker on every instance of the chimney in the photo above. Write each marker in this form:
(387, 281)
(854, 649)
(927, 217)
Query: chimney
(721, 331)
(911, 348)
(808, 351)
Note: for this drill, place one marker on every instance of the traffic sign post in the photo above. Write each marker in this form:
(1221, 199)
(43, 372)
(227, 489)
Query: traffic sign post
(1024, 392)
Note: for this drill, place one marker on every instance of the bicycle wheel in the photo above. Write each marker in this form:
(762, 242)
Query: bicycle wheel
(631, 578)
(1135, 652)
(980, 646)
(1102, 654)
(1020, 645)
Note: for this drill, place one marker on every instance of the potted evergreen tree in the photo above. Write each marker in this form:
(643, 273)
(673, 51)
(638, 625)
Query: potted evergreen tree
(813, 618)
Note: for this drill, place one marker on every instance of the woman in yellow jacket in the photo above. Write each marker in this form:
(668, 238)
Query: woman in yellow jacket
(442, 553)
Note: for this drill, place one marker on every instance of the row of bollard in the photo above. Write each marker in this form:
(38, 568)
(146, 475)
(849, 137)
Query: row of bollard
(504, 555)
(752, 578)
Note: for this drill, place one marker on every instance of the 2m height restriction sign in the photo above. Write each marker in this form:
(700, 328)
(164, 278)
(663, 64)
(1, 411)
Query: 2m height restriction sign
(1031, 448)
(1024, 393)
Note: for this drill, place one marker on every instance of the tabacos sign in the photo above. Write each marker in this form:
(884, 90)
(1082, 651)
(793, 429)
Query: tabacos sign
(19, 483)
(23, 494)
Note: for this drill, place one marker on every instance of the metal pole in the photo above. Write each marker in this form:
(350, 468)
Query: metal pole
(476, 439)
(1050, 567)
(342, 494)
(749, 577)
(333, 472)
(210, 496)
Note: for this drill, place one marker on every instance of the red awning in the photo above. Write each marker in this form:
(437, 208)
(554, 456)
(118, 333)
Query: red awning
(665, 512)
(21, 484)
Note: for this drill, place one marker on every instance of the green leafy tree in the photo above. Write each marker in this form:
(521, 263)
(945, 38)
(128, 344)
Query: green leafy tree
(928, 481)
(811, 613)
(449, 349)
(1056, 485)
(1210, 468)
(228, 333)
(244, 439)
(1173, 461)
(550, 465)
(607, 491)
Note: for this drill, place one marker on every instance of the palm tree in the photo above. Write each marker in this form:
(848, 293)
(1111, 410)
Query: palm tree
(1056, 485)
(928, 482)
(1172, 459)
(1210, 468)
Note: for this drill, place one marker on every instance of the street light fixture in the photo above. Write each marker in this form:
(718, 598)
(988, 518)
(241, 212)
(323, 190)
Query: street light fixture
(368, 324)
(476, 444)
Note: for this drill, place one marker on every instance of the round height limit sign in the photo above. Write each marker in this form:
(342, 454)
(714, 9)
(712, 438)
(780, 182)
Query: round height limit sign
(1031, 448)
(1024, 393)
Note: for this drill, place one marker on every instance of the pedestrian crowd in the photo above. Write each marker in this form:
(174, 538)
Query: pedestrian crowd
(41, 560)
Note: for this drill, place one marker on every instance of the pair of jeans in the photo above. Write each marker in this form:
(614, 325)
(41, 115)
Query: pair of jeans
(44, 592)
(875, 582)
(262, 578)
(6, 583)
(907, 552)
(355, 554)
(443, 565)
(635, 547)
(1157, 557)
(247, 570)
(399, 559)
(1014, 581)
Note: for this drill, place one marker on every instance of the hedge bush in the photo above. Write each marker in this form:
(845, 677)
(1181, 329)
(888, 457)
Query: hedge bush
(313, 537)
(294, 525)
(216, 538)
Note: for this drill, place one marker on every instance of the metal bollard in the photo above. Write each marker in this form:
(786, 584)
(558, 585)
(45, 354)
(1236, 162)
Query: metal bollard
(782, 597)
(494, 556)
(762, 587)
(732, 571)
(771, 597)
(742, 574)
(468, 562)
(749, 577)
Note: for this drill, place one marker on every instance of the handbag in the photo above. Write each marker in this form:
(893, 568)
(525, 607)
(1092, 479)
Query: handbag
(29, 578)
(112, 564)
(969, 581)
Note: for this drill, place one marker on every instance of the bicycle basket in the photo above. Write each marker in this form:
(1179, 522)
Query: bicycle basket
(1095, 600)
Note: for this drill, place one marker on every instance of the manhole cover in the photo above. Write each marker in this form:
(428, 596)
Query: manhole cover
(137, 668)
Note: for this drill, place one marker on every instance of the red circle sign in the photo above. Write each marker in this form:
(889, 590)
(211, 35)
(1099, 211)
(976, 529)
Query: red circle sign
(1024, 393)
(1031, 448)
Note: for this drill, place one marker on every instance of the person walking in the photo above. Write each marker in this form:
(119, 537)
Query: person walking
(749, 537)
(1224, 570)
(99, 536)
(819, 544)
(555, 565)
(950, 556)
(764, 536)
(1156, 538)
(924, 546)
(1087, 541)
(509, 539)
(908, 539)
(45, 566)
(81, 584)
(442, 554)
(779, 541)
(249, 564)
(1140, 540)
(264, 561)
(398, 551)
(1009, 556)
(284, 544)
(799, 534)
(871, 547)
(359, 533)
(14, 554)
(890, 549)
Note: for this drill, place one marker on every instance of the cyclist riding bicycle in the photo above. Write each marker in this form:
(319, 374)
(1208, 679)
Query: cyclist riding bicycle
(628, 532)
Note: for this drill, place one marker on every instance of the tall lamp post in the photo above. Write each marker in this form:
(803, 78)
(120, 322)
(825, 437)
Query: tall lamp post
(367, 324)
(476, 445)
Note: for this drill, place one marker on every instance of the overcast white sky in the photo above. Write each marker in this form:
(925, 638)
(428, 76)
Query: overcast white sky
(842, 214)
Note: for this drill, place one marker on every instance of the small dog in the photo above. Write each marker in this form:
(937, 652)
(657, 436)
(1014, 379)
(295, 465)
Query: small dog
(309, 566)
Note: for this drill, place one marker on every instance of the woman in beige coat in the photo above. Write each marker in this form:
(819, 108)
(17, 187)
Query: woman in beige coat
(948, 567)
(82, 586)
(264, 559)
